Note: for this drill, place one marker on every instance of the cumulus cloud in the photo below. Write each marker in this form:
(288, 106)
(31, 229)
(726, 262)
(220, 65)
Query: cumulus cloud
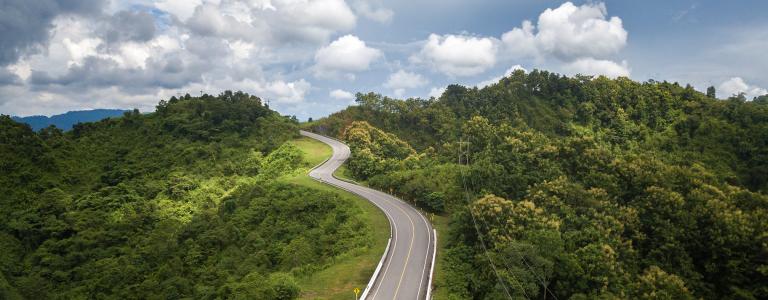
(285, 92)
(373, 9)
(405, 80)
(126, 26)
(341, 95)
(569, 32)
(458, 55)
(181, 9)
(436, 92)
(137, 55)
(25, 25)
(309, 20)
(275, 22)
(591, 66)
(496, 79)
(737, 85)
(345, 55)
(102, 72)
(8, 78)
(209, 20)
(583, 38)
(402, 80)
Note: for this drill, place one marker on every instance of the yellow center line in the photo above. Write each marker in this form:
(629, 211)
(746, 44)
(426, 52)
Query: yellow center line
(391, 254)
(410, 247)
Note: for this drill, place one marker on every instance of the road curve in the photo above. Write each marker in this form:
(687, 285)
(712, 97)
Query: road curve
(405, 270)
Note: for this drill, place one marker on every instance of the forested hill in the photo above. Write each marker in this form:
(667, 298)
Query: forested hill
(180, 203)
(66, 120)
(577, 187)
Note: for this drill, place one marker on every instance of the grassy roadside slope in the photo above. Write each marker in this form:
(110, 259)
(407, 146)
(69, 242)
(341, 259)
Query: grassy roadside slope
(440, 223)
(351, 271)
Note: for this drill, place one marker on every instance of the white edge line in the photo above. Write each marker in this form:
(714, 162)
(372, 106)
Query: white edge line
(376, 273)
(386, 251)
(391, 222)
(426, 255)
(432, 267)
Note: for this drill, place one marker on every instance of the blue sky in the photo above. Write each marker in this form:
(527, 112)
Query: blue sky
(308, 57)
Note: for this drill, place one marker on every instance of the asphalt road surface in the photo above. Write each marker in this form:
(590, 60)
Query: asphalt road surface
(405, 271)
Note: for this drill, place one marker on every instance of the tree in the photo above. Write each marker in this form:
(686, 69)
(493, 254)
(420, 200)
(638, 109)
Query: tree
(711, 93)
(655, 284)
(284, 286)
(297, 253)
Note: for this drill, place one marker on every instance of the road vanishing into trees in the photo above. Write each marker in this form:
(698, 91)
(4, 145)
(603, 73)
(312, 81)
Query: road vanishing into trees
(405, 269)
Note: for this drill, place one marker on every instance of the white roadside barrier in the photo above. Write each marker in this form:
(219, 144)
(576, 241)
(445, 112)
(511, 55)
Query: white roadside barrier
(376, 273)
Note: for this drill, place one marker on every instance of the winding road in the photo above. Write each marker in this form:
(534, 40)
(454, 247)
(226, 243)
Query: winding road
(405, 269)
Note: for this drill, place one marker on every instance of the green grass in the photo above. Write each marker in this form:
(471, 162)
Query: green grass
(345, 174)
(440, 223)
(314, 152)
(338, 280)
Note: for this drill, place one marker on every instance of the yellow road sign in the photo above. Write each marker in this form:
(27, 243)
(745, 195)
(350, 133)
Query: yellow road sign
(357, 291)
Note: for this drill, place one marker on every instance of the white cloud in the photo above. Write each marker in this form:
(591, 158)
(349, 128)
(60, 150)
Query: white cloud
(569, 32)
(79, 50)
(373, 10)
(405, 80)
(458, 55)
(278, 22)
(341, 95)
(497, 78)
(436, 92)
(521, 42)
(21, 69)
(737, 85)
(310, 20)
(347, 54)
(285, 92)
(402, 80)
(210, 20)
(591, 66)
(182, 9)
(134, 55)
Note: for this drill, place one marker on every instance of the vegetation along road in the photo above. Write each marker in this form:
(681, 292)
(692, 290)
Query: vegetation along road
(405, 270)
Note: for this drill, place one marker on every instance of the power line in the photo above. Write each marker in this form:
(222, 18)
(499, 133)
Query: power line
(540, 278)
(503, 228)
(479, 233)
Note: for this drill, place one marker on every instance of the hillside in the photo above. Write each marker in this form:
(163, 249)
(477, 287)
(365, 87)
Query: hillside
(66, 120)
(188, 202)
(576, 187)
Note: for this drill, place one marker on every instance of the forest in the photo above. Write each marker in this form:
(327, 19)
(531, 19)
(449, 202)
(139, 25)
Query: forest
(184, 202)
(553, 187)
(579, 187)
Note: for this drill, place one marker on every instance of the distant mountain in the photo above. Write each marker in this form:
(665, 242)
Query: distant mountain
(65, 121)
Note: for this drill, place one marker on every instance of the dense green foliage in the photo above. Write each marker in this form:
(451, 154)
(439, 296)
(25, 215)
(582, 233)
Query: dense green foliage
(181, 203)
(579, 187)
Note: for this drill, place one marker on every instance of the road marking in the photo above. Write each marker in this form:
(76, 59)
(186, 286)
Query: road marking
(426, 257)
(410, 247)
(392, 253)
(334, 163)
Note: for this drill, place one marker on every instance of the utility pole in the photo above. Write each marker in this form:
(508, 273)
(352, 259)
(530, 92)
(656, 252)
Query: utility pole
(460, 139)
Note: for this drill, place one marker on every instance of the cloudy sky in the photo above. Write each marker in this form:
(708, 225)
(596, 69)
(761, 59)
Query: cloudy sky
(309, 57)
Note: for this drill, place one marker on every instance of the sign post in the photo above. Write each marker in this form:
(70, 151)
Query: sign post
(357, 292)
